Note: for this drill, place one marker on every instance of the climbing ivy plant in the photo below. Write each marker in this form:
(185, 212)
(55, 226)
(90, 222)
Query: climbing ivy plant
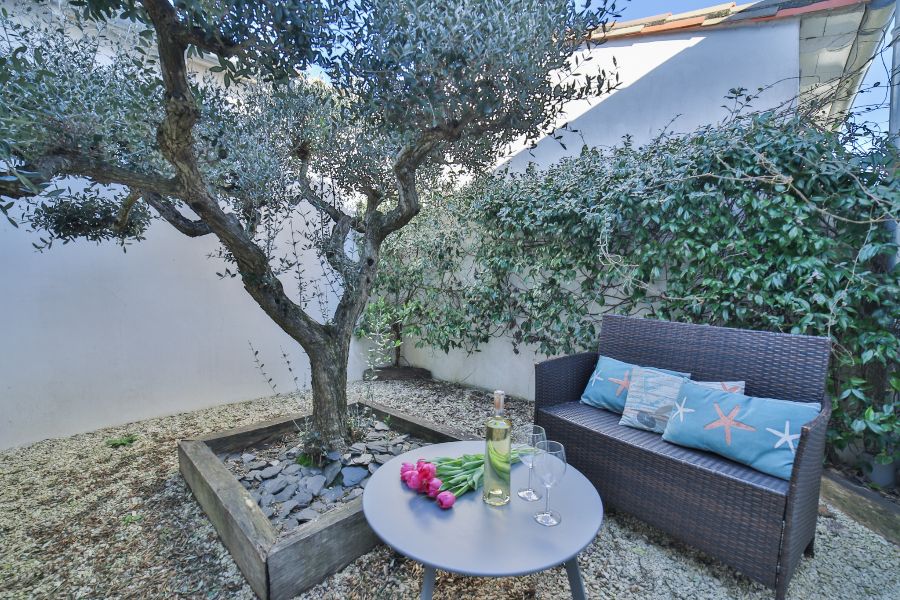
(767, 221)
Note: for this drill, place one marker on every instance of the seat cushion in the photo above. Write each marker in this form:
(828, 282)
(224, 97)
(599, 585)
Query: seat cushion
(607, 423)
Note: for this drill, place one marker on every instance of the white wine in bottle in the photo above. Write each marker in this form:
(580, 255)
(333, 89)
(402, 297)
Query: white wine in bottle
(497, 454)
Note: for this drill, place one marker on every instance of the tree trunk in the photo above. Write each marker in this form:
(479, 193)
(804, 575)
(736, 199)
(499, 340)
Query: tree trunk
(329, 388)
(397, 330)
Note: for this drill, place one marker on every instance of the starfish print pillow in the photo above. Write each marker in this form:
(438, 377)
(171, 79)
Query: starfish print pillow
(651, 397)
(608, 386)
(761, 433)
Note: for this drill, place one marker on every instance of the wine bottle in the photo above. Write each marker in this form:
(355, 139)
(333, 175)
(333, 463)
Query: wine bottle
(497, 454)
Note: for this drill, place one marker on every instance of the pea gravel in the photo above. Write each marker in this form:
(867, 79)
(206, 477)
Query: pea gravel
(79, 519)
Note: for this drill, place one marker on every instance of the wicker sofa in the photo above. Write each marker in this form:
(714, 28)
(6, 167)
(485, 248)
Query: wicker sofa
(757, 524)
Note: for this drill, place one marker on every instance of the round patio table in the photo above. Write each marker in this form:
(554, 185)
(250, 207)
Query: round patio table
(475, 539)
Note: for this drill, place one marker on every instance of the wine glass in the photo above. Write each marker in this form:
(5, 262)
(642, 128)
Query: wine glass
(525, 439)
(549, 466)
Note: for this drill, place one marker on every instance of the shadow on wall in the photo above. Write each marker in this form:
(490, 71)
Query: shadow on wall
(682, 92)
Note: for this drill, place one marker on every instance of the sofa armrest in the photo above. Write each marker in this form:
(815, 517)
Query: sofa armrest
(562, 379)
(802, 508)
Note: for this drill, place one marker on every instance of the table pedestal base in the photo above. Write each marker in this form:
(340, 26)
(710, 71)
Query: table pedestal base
(575, 582)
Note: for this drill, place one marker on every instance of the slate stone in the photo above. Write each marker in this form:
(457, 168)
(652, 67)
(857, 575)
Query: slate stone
(398, 440)
(270, 472)
(293, 452)
(274, 463)
(291, 469)
(379, 426)
(353, 475)
(288, 506)
(307, 514)
(396, 450)
(309, 471)
(333, 455)
(233, 457)
(247, 485)
(318, 506)
(382, 458)
(266, 500)
(363, 459)
(248, 457)
(273, 486)
(377, 448)
(354, 493)
(268, 511)
(256, 465)
(315, 484)
(302, 497)
(331, 471)
(333, 494)
(289, 524)
(358, 448)
(373, 436)
(286, 493)
(364, 482)
(373, 467)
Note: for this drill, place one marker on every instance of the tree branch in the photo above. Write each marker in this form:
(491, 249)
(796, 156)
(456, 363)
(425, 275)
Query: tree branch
(170, 213)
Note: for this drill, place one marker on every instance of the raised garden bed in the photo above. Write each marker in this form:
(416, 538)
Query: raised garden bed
(281, 564)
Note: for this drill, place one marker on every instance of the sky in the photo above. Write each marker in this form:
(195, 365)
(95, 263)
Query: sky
(878, 72)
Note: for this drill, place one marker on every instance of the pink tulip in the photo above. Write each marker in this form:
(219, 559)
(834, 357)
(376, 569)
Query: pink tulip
(446, 499)
(434, 487)
(406, 467)
(423, 484)
(426, 470)
(413, 480)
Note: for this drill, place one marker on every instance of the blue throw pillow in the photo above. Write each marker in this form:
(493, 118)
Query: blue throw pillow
(608, 386)
(762, 433)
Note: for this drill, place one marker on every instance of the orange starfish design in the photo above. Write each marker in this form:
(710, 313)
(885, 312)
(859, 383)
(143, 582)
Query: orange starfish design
(728, 388)
(624, 383)
(728, 422)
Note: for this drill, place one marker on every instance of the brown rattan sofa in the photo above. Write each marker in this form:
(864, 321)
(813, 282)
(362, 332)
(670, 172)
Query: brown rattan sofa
(758, 524)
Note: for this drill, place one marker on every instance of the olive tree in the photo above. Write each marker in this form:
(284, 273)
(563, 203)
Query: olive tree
(344, 108)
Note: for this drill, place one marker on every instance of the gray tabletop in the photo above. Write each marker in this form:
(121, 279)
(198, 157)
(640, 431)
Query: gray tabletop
(473, 538)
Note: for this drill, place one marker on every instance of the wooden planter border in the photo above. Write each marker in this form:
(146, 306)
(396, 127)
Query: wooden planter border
(280, 568)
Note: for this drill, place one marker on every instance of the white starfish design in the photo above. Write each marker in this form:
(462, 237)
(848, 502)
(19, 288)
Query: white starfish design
(680, 410)
(784, 437)
(595, 378)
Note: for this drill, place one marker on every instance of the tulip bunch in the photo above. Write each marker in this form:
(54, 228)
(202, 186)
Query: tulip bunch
(446, 479)
(422, 478)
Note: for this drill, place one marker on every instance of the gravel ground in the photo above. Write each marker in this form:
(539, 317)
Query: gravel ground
(81, 520)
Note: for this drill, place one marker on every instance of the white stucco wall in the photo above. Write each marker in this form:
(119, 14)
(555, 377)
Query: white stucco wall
(92, 336)
(681, 76)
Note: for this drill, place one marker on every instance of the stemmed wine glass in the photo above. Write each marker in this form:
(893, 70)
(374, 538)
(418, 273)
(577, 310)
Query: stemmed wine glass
(550, 466)
(525, 440)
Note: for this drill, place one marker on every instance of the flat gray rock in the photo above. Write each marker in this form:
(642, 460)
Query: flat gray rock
(248, 457)
(266, 500)
(398, 440)
(373, 467)
(333, 494)
(365, 482)
(308, 471)
(377, 448)
(291, 469)
(289, 524)
(353, 475)
(270, 472)
(273, 486)
(268, 511)
(256, 465)
(288, 506)
(315, 484)
(331, 471)
(363, 459)
(354, 493)
(307, 514)
(396, 450)
(379, 426)
(383, 458)
(358, 448)
(286, 493)
(333, 455)
(302, 497)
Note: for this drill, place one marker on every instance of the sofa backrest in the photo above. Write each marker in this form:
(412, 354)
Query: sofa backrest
(774, 365)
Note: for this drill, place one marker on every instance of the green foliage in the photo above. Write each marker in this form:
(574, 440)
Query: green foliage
(880, 431)
(764, 222)
(125, 440)
(132, 517)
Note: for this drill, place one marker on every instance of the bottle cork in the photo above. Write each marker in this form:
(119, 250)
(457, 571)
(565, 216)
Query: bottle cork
(499, 397)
